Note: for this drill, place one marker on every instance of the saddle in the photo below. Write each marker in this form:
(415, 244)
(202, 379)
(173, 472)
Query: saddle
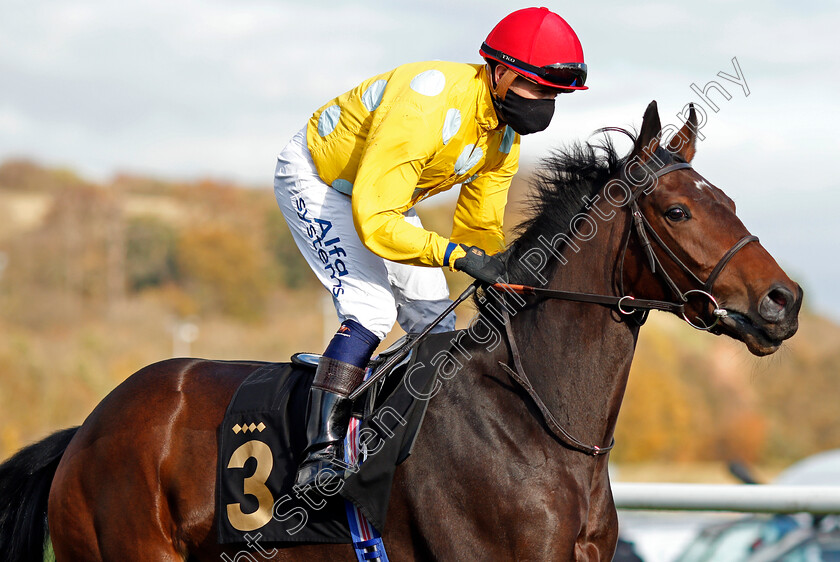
(261, 442)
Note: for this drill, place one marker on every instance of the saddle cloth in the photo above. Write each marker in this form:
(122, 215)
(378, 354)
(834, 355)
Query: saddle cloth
(261, 442)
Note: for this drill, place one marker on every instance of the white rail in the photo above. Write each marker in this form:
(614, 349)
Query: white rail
(720, 497)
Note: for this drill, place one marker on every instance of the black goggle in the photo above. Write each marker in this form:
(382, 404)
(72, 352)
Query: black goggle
(564, 73)
(561, 74)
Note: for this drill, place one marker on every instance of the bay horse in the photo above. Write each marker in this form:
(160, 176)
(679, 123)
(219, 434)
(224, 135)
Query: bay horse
(500, 470)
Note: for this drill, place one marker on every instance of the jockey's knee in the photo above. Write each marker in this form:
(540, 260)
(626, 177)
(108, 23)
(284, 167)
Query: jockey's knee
(414, 315)
(377, 314)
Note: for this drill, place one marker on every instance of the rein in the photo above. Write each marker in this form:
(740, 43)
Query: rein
(625, 305)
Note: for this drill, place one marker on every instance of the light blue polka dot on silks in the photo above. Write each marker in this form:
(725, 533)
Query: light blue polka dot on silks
(342, 186)
(429, 83)
(328, 120)
(470, 179)
(373, 95)
(451, 124)
(507, 140)
(470, 156)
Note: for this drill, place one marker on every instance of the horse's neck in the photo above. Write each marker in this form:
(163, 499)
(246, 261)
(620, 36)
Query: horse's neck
(577, 355)
(483, 450)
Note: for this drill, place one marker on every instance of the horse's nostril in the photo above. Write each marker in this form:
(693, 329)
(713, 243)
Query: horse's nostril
(775, 304)
(779, 297)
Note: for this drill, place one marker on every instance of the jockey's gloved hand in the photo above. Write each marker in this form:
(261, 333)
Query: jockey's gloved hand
(478, 264)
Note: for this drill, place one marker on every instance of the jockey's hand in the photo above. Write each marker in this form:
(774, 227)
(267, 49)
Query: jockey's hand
(478, 264)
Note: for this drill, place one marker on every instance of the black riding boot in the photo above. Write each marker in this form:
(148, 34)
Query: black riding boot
(327, 417)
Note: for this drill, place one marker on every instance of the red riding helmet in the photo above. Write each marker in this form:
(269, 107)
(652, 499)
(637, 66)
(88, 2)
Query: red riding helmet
(539, 45)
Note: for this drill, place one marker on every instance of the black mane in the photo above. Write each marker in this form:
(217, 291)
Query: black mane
(558, 189)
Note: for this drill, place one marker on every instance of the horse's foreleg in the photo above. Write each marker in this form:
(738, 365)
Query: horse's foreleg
(598, 538)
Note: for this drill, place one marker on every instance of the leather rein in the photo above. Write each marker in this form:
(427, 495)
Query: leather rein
(625, 305)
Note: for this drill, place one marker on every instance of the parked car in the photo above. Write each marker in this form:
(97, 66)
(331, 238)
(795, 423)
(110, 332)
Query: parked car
(738, 540)
(820, 542)
(760, 538)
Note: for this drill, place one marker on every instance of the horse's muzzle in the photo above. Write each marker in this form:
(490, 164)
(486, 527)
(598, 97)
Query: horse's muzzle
(774, 319)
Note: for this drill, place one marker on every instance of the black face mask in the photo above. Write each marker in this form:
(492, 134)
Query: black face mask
(525, 116)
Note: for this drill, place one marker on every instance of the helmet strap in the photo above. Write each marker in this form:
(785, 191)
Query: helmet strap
(500, 89)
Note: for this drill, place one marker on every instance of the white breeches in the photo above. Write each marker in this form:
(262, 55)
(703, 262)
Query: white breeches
(365, 287)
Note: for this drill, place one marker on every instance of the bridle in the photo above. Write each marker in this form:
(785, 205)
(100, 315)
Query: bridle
(643, 228)
(626, 305)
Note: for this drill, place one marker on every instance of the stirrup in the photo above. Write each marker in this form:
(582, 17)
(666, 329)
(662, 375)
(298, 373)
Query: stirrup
(309, 471)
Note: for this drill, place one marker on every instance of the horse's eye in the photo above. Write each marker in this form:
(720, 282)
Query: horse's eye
(677, 214)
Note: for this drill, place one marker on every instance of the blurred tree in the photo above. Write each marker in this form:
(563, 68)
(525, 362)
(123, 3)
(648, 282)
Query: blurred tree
(662, 418)
(656, 420)
(77, 252)
(224, 270)
(800, 401)
(743, 436)
(151, 246)
(26, 175)
(294, 271)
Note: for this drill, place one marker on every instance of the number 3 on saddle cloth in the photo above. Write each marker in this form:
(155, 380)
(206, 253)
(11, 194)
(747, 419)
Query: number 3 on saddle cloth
(261, 441)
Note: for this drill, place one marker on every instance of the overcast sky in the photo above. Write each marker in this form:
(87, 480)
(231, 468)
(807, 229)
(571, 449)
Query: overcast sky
(208, 88)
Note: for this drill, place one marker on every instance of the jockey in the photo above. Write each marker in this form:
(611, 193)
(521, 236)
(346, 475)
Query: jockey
(347, 182)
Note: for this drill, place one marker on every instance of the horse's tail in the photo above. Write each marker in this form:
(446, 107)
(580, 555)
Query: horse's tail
(25, 481)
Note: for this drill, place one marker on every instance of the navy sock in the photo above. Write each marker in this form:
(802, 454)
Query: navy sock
(352, 343)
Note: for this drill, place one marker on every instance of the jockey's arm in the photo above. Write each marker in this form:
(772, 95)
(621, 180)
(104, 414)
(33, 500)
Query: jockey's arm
(397, 148)
(479, 214)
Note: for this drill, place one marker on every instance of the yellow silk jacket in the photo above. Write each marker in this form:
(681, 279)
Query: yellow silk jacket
(410, 133)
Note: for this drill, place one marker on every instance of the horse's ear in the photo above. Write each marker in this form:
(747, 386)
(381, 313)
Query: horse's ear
(684, 142)
(648, 139)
